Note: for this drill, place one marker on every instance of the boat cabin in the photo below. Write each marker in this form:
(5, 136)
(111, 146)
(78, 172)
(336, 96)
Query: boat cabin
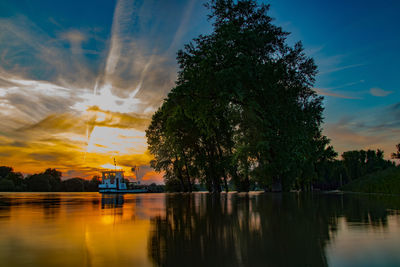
(113, 180)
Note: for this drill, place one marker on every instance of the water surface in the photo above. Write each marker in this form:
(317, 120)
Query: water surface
(90, 229)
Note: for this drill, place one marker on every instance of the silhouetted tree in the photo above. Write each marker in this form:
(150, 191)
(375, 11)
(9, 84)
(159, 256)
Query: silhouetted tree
(396, 155)
(38, 183)
(243, 106)
(92, 185)
(360, 162)
(4, 171)
(18, 180)
(73, 185)
(54, 177)
(6, 185)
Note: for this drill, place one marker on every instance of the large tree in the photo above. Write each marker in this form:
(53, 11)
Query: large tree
(243, 107)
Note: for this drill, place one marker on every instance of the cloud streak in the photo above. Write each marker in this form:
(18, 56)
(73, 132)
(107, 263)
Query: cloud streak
(379, 92)
(325, 92)
(340, 68)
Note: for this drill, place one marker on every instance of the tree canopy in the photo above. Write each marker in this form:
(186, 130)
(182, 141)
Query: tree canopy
(396, 155)
(243, 107)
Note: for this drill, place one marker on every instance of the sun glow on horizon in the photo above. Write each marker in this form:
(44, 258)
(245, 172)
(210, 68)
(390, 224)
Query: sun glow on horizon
(115, 141)
(80, 142)
(105, 99)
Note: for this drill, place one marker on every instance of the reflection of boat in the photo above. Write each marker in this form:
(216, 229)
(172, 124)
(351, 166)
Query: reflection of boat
(109, 201)
(114, 182)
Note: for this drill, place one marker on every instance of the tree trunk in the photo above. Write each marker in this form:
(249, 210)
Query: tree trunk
(188, 178)
(180, 176)
(246, 186)
(276, 185)
(226, 184)
(213, 172)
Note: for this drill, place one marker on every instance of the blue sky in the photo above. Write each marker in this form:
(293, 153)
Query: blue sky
(77, 74)
(354, 44)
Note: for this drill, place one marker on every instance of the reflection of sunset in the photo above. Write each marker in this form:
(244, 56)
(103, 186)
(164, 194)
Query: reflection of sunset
(85, 232)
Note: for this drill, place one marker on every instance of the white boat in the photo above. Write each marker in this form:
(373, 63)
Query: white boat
(114, 182)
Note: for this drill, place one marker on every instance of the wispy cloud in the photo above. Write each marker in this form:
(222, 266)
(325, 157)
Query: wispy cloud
(121, 20)
(376, 128)
(340, 68)
(379, 92)
(67, 104)
(325, 92)
(183, 26)
(346, 85)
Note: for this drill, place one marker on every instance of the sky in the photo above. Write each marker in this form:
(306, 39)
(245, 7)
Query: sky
(79, 80)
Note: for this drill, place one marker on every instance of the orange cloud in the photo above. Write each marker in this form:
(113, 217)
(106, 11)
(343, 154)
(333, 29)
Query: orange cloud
(344, 137)
(153, 177)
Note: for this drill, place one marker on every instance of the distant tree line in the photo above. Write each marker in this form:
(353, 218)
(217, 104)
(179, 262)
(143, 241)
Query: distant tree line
(355, 164)
(47, 181)
(50, 181)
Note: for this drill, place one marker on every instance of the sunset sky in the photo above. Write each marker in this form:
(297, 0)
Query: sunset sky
(79, 80)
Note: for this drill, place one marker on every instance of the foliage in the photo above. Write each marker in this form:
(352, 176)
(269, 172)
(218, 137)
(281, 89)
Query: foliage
(18, 180)
(155, 188)
(360, 163)
(39, 183)
(92, 185)
(47, 181)
(73, 185)
(386, 181)
(173, 185)
(243, 107)
(396, 155)
(4, 171)
(354, 165)
(6, 185)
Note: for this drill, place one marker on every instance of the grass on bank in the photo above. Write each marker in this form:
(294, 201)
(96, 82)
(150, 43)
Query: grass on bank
(386, 181)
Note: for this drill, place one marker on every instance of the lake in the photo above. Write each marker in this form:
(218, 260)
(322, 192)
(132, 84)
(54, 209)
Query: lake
(256, 229)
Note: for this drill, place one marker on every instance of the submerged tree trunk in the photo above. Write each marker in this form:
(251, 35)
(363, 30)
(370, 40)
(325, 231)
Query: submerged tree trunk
(276, 184)
(216, 181)
(223, 171)
(187, 173)
(179, 174)
(246, 184)
(226, 184)
(236, 180)
(188, 178)
(217, 185)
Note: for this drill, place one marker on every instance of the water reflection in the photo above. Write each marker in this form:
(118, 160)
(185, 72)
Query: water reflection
(259, 230)
(90, 229)
(240, 230)
(109, 201)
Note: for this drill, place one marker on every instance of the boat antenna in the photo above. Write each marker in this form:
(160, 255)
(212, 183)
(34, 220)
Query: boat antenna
(135, 170)
(115, 164)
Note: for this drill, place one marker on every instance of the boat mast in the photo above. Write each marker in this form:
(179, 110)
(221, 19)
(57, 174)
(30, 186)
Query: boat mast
(117, 179)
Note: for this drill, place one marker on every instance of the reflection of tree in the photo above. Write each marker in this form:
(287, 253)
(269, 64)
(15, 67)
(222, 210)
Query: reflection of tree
(242, 230)
(369, 209)
(254, 230)
(109, 201)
